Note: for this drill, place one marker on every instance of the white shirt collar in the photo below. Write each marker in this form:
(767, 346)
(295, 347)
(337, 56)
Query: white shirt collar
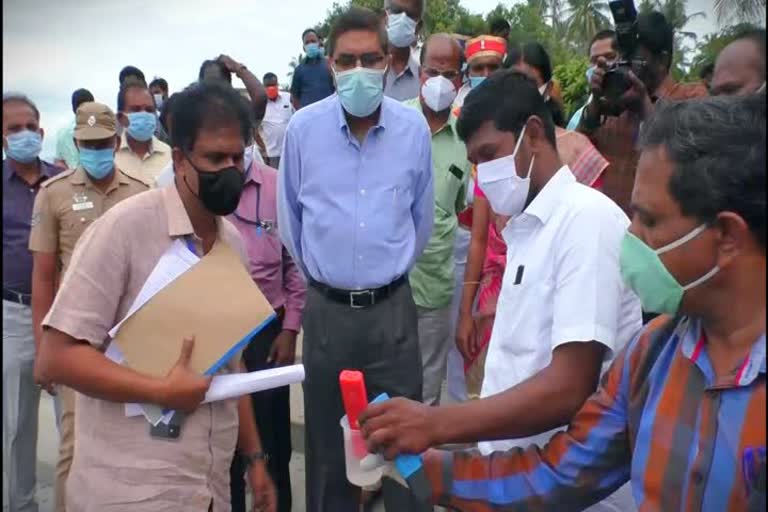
(548, 197)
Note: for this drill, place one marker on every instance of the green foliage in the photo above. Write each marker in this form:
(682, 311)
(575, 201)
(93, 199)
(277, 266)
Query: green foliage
(565, 28)
(712, 45)
(571, 75)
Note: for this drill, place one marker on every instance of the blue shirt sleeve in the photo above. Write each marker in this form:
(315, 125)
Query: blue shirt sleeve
(288, 208)
(423, 208)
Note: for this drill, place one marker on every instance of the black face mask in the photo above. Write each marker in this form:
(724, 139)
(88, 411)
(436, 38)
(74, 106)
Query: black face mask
(220, 190)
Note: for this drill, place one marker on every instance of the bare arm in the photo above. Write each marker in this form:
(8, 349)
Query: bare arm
(476, 255)
(403, 426)
(252, 84)
(79, 365)
(255, 90)
(571, 377)
(44, 278)
(472, 274)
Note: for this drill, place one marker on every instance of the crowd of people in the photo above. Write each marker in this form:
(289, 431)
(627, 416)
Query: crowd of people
(591, 290)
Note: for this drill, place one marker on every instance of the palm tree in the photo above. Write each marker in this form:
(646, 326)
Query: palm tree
(749, 11)
(585, 18)
(675, 13)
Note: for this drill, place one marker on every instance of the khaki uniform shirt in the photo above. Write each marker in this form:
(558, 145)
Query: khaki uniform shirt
(147, 168)
(117, 466)
(67, 204)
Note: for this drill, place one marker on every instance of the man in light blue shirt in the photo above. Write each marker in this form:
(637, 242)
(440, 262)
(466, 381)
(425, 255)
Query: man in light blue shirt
(355, 210)
(67, 154)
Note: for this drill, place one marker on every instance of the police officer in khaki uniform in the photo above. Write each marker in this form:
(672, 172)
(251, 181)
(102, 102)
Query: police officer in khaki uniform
(65, 206)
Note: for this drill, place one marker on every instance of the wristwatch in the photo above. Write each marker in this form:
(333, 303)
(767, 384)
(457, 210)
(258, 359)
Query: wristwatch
(250, 458)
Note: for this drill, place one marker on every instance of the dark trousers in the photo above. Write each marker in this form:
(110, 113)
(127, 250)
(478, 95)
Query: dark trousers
(382, 342)
(273, 417)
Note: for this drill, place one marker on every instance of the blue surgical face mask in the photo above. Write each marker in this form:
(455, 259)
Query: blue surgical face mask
(98, 163)
(360, 90)
(313, 50)
(401, 30)
(24, 146)
(141, 125)
(474, 81)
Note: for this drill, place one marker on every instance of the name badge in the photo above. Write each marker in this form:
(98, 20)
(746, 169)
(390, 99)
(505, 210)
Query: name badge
(82, 206)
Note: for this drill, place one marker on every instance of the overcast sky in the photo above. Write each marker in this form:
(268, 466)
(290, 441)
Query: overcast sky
(52, 47)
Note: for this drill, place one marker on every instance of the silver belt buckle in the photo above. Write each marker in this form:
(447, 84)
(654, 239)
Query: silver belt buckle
(352, 296)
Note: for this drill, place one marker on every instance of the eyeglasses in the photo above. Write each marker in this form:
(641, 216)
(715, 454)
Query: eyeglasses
(366, 60)
(450, 74)
(489, 67)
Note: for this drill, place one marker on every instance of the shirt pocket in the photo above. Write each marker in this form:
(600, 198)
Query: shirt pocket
(447, 188)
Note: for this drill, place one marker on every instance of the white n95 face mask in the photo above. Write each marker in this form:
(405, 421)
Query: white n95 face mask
(438, 93)
(499, 181)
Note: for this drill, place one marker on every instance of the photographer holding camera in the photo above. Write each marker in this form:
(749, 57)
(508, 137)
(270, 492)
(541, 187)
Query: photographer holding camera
(624, 93)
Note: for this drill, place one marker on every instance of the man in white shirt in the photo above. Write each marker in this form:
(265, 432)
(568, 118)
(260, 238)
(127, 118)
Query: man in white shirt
(279, 112)
(564, 310)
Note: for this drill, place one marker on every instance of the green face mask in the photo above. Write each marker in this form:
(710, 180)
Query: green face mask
(643, 271)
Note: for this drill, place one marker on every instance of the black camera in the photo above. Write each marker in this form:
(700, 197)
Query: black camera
(616, 82)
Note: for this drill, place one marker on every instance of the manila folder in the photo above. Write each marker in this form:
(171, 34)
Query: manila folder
(216, 301)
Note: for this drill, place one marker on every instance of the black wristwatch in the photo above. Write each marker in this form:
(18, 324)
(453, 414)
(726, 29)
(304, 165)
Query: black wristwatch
(250, 458)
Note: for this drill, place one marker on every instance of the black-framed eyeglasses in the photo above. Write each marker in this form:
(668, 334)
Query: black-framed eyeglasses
(366, 60)
(450, 74)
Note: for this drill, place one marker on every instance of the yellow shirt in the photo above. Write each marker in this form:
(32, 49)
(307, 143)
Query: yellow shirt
(147, 168)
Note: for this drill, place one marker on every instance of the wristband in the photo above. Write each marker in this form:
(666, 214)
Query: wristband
(251, 458)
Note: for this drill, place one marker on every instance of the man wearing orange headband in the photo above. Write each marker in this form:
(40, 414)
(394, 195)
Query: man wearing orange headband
(484, 54)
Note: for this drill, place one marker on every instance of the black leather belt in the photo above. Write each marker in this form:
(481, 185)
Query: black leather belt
(358, 299)
(19, 298)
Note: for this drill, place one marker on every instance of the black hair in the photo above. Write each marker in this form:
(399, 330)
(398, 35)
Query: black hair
(225, 73)
(656, 34)
(717, 147)
(131, 71)
(357, 18)
(309, 31)
(508, 98)
(161, 83)
(499, 25)
(127, 86)
(706, 70)
(269, 76)
(423, 53)
(18, 97)
(536, 56)
(604, 34)
(166, 111)
(79, 97)
(208, 105)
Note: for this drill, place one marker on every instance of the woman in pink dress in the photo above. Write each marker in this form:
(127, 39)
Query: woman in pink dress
(487, 256)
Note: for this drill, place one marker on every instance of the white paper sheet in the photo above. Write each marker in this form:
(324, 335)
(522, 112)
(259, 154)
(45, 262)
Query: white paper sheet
(235, 385)
(174, 262)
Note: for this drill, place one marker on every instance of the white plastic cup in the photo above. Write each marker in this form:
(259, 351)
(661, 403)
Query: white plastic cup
(354, 452)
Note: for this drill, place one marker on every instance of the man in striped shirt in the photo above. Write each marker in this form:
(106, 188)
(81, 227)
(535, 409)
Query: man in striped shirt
(681, 413)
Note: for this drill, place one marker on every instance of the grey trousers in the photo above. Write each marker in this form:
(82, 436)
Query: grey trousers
(382, 342)
(21, 399)
(434, 341)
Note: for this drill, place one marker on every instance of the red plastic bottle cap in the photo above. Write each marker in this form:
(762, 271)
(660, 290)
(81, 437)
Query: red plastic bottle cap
(353, 395)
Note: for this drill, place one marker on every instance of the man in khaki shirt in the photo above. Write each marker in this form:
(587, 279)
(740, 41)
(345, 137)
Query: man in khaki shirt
(64, 208)
(118, 466)
(140, 153)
